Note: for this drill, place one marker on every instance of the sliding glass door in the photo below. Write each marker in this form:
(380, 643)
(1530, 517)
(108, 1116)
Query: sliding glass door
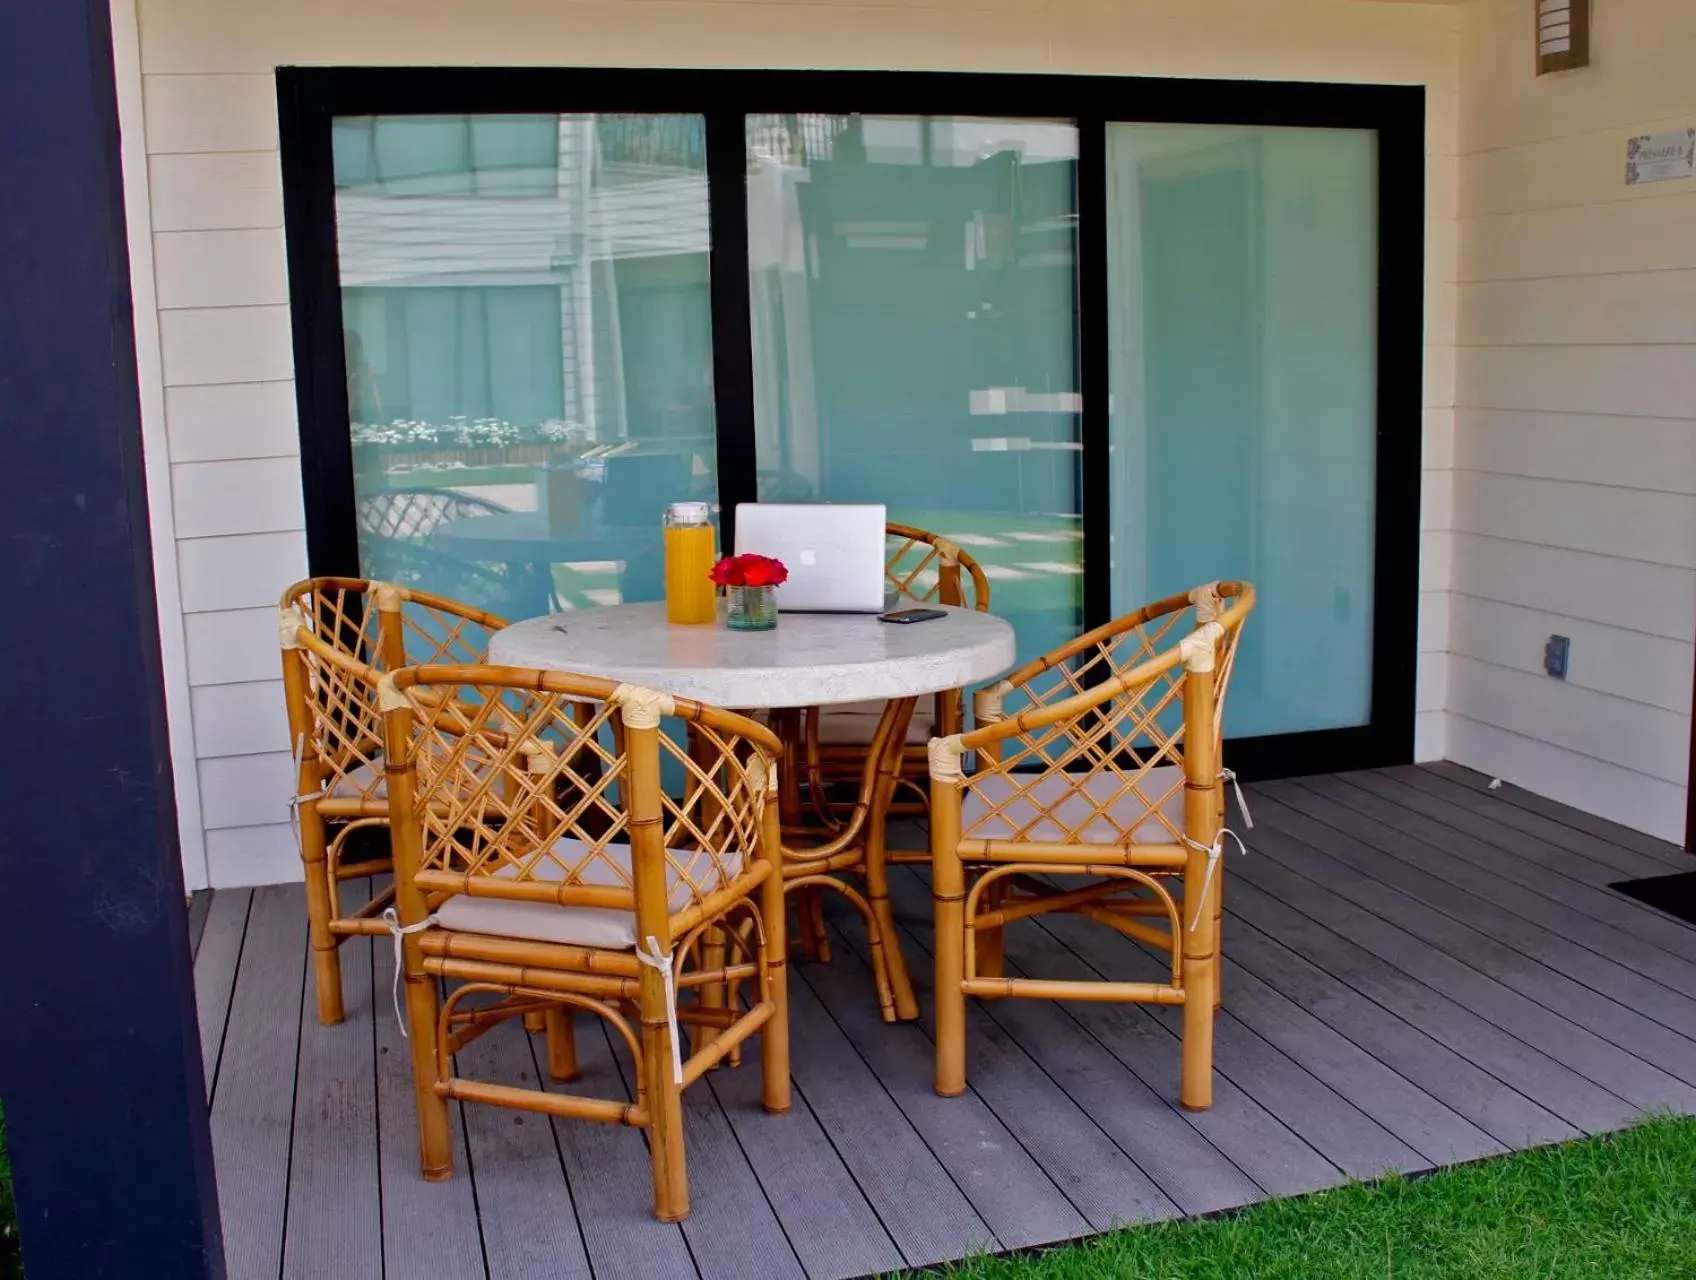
(1242, 266)
(528, 343)
(913, 283)
(1114, 337)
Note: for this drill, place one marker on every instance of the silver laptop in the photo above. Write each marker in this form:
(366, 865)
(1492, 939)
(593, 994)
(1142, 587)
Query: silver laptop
(834, 552)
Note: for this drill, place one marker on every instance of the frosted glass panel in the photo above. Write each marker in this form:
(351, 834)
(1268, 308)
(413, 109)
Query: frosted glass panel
(529, 349)
(914, 283)
(1242, 273)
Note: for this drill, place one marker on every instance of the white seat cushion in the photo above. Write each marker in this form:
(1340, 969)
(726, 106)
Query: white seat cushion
(1027, 817)
(579, 926)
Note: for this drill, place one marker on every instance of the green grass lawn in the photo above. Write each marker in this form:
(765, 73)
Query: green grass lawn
(9, 1267)
(1621, 1207)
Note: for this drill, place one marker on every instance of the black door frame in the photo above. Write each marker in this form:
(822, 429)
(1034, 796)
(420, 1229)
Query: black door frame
(310, 98)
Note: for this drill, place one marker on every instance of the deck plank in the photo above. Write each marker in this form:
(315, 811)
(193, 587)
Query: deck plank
(607, 1165)
(1068, 1144)
(429, 1228)
(1559, 825)
(253, 1108)
(199, 903)
(1604, 955)
(829, 1222)
(924, 1211)
(1352, 945)
(1264, 1155)
(335, 1221)
(1676, 858)
(215, 967)
(1346, 1136)
(524, 1203)
(1599, 867)
(1541, 868)
(1286, 965)
(1512, 992)
(1622, 1007)
(1007, 1187)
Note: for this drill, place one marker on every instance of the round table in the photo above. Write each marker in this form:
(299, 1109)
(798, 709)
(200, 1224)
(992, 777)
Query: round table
(809, 660)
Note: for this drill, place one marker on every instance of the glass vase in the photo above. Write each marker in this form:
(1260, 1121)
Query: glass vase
(752, 609)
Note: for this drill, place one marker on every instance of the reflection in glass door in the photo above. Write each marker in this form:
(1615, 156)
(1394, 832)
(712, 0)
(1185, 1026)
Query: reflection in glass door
(528, 346)
(913, 285)
(1242, 317)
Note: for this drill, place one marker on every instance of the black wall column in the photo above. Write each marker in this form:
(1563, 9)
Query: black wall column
(100, 1071)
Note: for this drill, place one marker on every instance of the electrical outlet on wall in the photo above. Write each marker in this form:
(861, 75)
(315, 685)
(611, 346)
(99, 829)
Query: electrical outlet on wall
(1555, 656)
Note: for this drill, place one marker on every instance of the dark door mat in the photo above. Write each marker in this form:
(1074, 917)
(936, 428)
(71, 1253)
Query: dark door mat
(1674, 894)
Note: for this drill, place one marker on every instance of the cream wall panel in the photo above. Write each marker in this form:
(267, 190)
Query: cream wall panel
(1634, 453)
(1430, 736)
(247, 572)
(232, 647)
(1437, 444)
(1641, 54)
(1557, 172)
(259, 495)
(239, 856)
(226, 344)
(232, 420)
(216, 190)
(1434, 609)
(240, 719)
(247, 791)
(220, 268)
(208, 112)
(1631, 735)
(1581, 240)
(1650, 382)
(1633, 524)
(1653, 598)
(1638, 307)
(1597, 786)
(1605, 659)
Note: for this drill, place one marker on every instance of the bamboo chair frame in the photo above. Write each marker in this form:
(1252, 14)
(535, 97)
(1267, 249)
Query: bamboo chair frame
(1118, 727)
(504, 789)
(924, 568)
(338, 636)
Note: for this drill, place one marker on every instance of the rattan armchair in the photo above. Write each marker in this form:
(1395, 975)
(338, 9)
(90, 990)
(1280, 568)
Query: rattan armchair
(1099, 760)
(338, 636)
(921, 568)
(541, 867)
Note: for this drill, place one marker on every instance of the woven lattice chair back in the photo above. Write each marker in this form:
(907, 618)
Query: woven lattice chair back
(928, 568)
(544, 787)
(1097, 751)
(344, 633)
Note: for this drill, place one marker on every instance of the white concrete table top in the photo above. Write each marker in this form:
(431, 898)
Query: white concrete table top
(811, 659)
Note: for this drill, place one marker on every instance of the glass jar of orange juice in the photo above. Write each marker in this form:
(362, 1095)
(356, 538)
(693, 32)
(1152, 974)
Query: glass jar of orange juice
(688, 562)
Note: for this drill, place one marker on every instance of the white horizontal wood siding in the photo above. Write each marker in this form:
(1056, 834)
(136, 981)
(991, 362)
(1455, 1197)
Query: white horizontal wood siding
(216, 200)
(1575, 428)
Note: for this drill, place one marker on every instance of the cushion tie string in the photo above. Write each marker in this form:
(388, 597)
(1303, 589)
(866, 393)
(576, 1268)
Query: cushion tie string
(1214, 852)
(296, 800)
(654, 958)
(391, 918)
(1230, 776)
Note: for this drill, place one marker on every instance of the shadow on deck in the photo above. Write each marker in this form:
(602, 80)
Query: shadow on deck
(1418, 972)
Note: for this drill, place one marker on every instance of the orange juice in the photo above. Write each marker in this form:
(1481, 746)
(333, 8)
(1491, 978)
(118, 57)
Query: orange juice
(688, 560)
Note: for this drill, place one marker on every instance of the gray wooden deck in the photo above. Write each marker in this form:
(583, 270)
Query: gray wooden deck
(1420, 971)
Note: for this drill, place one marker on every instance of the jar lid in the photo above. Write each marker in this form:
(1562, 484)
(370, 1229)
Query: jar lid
(688, 512)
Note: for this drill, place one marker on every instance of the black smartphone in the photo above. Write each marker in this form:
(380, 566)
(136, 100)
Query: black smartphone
(904, 616)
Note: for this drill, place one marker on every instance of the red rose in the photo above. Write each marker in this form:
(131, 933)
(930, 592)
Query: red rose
(749, 570)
